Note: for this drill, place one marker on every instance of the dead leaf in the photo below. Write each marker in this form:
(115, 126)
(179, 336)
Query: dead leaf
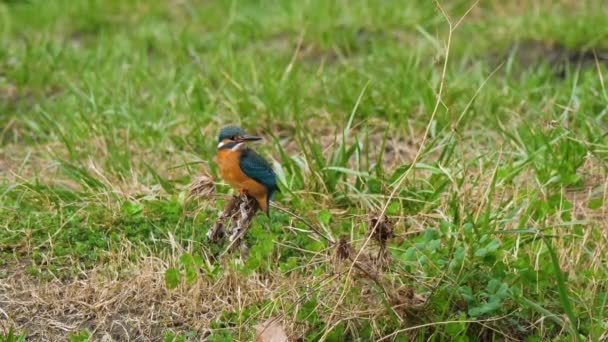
(270, 331)
(343, 249)
(381, 229)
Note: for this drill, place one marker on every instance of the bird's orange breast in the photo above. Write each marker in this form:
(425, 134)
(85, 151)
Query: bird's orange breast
(231, 172)
(230, 168)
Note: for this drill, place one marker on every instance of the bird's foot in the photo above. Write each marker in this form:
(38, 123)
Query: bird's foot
(243, 192)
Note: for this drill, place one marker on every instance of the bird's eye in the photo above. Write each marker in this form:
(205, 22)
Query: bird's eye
(234, 137)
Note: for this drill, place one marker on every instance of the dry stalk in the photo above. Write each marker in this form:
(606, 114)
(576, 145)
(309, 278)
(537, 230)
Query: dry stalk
(384, 231)
(403, 300)
(235, 221)
(217, 232)
(247, 208)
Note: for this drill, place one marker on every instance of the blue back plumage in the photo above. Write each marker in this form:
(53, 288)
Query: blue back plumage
(256, 167)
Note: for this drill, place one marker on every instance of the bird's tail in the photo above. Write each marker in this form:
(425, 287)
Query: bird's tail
(268, 199)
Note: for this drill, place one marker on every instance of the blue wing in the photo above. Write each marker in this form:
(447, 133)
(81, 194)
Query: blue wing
(256, 167)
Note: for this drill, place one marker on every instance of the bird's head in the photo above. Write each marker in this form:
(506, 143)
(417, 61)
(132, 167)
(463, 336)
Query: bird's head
(234, 138)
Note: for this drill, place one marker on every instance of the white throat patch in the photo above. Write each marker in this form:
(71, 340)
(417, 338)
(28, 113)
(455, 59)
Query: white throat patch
(220, 144)
(237, 146)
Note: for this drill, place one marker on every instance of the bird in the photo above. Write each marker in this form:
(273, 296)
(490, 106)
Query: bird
(244, 169)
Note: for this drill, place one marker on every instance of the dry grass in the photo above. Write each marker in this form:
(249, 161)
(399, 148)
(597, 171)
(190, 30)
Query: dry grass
(137, 305)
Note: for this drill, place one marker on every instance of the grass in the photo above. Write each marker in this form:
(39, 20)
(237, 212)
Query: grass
(482, 139)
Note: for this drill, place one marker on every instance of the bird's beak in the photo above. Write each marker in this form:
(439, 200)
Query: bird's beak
(249, 138)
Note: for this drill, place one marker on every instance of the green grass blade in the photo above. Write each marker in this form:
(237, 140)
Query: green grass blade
(562, 290)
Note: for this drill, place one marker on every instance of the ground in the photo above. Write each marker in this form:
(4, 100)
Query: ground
(443, 169)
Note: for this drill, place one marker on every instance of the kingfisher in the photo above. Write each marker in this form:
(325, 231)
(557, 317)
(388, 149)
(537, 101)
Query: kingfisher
(244, 169)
